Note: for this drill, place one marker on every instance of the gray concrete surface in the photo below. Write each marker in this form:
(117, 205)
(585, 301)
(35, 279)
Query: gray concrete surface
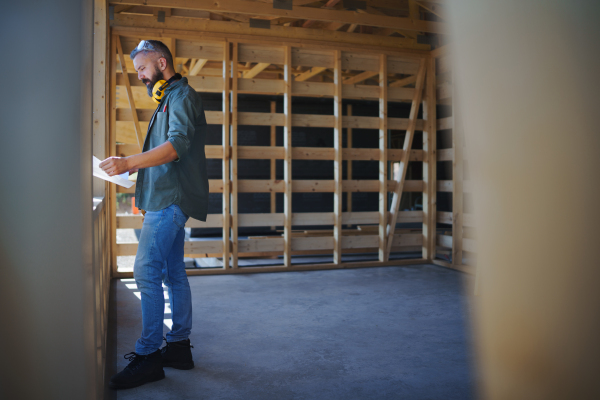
(372, 333)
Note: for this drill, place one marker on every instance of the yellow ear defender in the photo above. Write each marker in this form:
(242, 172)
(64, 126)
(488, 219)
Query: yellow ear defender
(158, 91)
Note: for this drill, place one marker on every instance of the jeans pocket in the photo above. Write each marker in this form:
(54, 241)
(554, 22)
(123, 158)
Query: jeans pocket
(179, 218)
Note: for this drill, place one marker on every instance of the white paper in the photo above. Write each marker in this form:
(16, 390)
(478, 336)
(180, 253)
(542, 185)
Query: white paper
(121, 180)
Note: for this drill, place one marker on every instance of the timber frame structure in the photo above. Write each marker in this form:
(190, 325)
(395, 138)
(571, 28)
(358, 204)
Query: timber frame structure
(317, 49)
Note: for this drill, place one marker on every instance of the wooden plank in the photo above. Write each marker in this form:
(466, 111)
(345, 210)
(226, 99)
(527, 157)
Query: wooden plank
(197, 67)
(444, 217)
(445, 123)
(337, 162)
(349, 161)
(287, 162)
(310, 73)
(200, 49)
(445, 155)
(136, 122)
(306, 57)
(317, 14)
(360, 77)
(257, 69)
(255, 53)
(112, 190)
(404, 82)
(457, 180)
(430, 166)
(226, 154)
(383, 157)
(233, 157)
(445, 186)
(273, 166)
(408, 139)
(214, 30)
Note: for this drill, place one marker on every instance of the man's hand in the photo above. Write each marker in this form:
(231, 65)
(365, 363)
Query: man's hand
(115, 165)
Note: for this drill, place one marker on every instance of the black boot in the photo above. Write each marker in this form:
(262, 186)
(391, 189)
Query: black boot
(177, 355)
(141, 369)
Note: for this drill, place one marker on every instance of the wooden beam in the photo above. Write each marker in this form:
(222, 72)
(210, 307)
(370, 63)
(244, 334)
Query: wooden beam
(253, 8)
(309, 74)
(360, 77)
(234, 157)
(383, 156)
(187, 29)
(337, 162)
(457, 181)
(226, 153)
(349, 162)
(257, 69)
(112, 151)
(287, 162)
(408, 139)
(404, 82)
(136, 122)
(430, 165)
(273, 162)
(197, 67)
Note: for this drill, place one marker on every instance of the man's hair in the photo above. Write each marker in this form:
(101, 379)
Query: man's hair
(155, 47)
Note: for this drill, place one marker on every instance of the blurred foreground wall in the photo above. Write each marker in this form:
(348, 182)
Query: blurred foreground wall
(528, 82)
(46, 292)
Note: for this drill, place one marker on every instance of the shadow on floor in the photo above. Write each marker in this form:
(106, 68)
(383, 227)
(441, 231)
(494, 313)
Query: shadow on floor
(371, 333)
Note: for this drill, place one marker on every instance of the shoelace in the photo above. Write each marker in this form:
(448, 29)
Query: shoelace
(165, 349)
(134, 360)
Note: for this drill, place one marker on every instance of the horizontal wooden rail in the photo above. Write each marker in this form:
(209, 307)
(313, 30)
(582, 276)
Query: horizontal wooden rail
(302, 186)
(276, 219)
(276, 244)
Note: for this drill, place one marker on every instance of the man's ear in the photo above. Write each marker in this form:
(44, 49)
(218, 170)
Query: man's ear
(162, 63)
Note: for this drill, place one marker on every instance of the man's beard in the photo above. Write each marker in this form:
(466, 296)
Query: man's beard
(158, 75)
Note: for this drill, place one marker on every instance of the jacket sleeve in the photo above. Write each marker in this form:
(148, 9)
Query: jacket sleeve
(181, 124)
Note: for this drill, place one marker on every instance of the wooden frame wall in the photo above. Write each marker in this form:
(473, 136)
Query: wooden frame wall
(123, 121)
(459, 243)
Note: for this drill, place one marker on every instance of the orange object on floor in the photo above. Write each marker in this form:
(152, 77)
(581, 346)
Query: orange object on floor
(134, 209)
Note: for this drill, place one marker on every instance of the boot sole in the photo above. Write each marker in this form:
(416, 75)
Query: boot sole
(153, 378)
(179, 365)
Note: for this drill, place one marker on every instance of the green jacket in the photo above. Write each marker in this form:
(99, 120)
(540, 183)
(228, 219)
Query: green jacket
(179, 119)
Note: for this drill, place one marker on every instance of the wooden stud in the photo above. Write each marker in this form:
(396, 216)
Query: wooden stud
(136, 123)
(273, 162)
(457, 182)
(383, 156)
(226, 153)
(349, 162)
(430, 164)
(309, 74)
(360, 77)
(337, 163)
(112, 197)
(233, 156)
(287, 162)
(408, 139)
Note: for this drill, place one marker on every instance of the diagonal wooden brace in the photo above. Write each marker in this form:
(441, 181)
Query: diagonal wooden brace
(136, 122)
(408, 139)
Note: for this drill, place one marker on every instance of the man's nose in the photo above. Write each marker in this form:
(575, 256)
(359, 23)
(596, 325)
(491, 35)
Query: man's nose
(140, 76)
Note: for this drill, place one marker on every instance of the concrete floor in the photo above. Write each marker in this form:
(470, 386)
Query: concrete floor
(372, 333)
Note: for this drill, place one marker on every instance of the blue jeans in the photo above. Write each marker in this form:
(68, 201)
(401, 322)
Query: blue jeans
(160, 259)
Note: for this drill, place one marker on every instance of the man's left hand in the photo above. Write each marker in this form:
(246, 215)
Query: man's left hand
(114, 165)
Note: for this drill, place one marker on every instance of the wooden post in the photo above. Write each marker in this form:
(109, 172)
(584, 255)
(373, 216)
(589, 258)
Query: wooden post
(233, 155)
(273, 162)
(406, 148)
(349, 166)
(112, 196)
(226, 152)
(136, 123)
(457, 177)
(287, 161)
(383, 162)
(429, 164)
(337, 162)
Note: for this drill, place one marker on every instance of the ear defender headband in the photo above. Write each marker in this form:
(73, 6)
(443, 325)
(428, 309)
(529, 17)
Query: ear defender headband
(159, 88)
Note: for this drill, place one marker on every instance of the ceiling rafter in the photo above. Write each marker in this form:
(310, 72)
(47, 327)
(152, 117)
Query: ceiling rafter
(319, 14)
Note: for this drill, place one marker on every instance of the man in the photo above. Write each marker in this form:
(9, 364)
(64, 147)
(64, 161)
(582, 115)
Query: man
(172, 185)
